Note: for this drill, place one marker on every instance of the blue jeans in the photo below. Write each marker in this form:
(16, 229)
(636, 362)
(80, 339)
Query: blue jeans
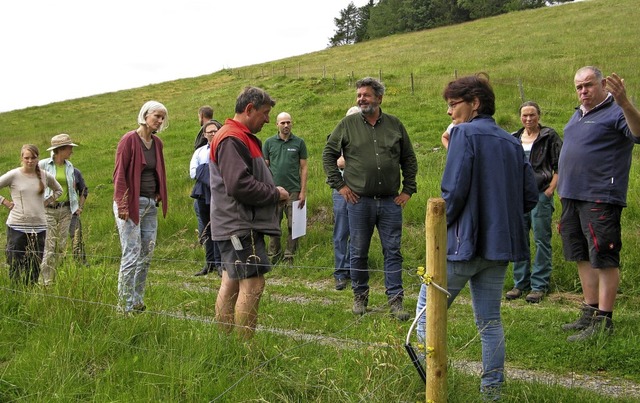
(340, 237)
(367, 214)
(537, 277)
(486, 279)
(422, 320)
(138, 243)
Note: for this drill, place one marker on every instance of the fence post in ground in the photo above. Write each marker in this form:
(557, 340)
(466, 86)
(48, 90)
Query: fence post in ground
(324, 71)
(436, 323)
(521, 88)
(412, 84)
(380, 75)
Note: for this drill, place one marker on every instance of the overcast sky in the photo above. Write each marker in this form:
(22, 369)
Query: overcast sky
(53, 50)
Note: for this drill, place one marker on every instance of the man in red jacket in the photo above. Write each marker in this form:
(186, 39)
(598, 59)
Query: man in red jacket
(243, 206)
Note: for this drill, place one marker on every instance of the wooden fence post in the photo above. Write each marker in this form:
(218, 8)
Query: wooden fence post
(412, 84)
(436, 323)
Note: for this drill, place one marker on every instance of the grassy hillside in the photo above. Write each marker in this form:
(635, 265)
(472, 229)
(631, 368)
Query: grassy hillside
(534, 53)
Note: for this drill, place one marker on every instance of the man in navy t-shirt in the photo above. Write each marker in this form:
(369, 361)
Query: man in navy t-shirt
(593, 179)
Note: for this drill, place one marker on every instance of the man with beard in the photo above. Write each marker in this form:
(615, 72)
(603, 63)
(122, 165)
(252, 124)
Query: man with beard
(379, 160)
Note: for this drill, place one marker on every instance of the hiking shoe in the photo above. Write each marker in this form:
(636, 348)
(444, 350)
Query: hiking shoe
(534, 297)
(396, 309)
(203, 272)
(341, 284)
(599, 325)
(139, 307)
(514, 293)
(583, 321)
(360, 302)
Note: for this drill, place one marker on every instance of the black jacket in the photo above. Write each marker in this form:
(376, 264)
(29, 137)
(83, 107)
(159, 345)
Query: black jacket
(544, 156)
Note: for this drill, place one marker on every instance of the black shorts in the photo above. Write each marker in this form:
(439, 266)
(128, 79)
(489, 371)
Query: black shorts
(591, 232)
(251, 261)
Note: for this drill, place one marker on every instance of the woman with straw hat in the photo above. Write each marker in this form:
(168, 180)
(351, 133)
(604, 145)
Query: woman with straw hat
(59, 212)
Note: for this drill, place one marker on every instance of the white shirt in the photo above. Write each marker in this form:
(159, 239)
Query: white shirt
(200, 156)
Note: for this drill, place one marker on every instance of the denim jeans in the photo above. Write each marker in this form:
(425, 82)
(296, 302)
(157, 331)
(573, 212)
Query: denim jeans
(367, 214)
(138, 243)
(211, 250)
(537, 276)
(284, 209)
(55, 247)
(24, 256)
(486, 279)
(422, 319)
(340, 237)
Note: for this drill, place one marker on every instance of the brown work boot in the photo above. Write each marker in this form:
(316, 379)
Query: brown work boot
(396, 309)
(599, 325)
(534, 297)
(583, 321)
(360, 302)
(514, 293)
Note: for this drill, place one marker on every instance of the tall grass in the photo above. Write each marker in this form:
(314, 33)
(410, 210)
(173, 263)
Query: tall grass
(67, 343)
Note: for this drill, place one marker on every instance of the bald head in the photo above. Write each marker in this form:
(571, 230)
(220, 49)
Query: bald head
(283, 123)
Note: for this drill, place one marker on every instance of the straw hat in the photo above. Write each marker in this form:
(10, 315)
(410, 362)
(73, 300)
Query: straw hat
(61, 140)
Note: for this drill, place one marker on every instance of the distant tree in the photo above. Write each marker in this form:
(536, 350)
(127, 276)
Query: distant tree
(387, 18)
(425, 14)
(351, 26)
(483, 8)
(515, 5)
(365, 14)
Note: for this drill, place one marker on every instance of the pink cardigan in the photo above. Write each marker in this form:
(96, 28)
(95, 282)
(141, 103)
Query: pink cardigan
(127, 173)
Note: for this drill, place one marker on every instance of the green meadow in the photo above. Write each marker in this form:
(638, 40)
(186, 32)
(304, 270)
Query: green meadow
(68, 343)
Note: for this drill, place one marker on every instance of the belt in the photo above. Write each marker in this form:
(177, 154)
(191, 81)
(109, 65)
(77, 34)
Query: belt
(59, 204)
(379, 197)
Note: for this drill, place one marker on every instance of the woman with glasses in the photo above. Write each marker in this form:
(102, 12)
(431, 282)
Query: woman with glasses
(199, 170)
(488, 185)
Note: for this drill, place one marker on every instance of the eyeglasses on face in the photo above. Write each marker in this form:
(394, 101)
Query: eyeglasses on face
(452, 105)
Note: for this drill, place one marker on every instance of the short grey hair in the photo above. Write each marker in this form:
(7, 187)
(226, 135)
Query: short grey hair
(150, 107)
(377, 86)
(596, 71)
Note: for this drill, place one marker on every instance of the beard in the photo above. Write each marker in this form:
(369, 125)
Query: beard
(369, 109)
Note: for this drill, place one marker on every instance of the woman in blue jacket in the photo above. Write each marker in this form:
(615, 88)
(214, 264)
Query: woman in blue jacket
(488, 186)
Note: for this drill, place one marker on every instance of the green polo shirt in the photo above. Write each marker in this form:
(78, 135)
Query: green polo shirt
(284, 160)
(379, 159)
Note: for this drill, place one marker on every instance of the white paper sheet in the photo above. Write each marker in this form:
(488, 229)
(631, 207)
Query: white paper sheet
(299, 221)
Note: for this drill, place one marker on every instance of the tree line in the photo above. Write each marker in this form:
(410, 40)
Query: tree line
(382, 18)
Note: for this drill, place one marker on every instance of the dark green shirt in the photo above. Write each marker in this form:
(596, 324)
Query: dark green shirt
(375, 156)
(284, 160)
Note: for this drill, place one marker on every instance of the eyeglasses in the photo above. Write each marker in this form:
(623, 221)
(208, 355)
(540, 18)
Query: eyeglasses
(453, 104)
(211, 132)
